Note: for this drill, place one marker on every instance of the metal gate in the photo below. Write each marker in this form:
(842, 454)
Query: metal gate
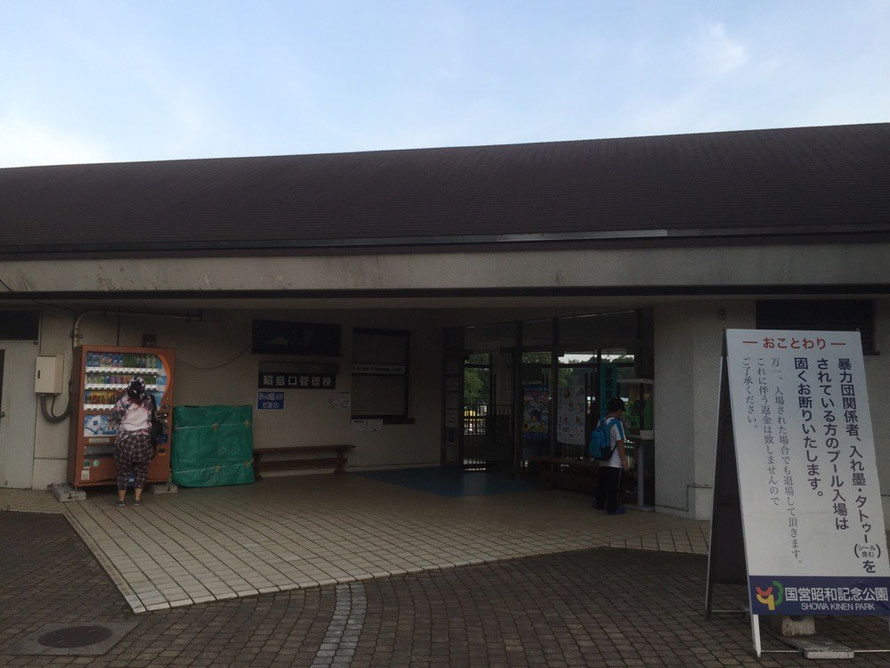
(487, 422)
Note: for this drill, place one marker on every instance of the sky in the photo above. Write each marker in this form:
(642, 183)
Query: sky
(86, 81)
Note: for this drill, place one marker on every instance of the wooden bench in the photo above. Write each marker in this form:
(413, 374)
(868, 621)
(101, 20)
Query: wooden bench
(573, 473)
(261, 463)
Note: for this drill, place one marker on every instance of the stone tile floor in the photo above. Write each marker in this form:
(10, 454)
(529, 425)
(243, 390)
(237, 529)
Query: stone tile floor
(343, 570)
(593, 607)
(210, 544)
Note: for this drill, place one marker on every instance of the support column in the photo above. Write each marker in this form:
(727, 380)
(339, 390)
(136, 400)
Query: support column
(687, 365)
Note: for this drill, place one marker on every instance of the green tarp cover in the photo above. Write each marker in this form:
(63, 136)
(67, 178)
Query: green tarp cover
(212, 445)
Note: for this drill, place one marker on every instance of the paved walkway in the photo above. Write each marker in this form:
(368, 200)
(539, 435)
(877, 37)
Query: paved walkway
(409, 579)
(201, 545)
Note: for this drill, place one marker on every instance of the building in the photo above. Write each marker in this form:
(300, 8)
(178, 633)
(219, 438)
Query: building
(504, 259)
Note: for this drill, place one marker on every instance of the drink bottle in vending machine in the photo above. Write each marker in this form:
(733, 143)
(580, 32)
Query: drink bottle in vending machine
(100, 376)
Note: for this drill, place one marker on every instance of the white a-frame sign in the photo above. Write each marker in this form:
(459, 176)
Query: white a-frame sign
(796, 485)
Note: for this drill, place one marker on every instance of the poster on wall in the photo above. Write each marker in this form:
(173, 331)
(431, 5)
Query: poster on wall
(572, 410)
(339, 400)
(536, 412)
(809, 495)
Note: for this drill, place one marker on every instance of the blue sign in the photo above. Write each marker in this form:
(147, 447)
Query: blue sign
(270, 401)
(815, 595)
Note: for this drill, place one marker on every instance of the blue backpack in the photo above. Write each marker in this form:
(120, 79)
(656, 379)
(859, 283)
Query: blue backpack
(600, 439)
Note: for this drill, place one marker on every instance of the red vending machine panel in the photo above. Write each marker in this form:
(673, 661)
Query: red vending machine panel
(100, 377)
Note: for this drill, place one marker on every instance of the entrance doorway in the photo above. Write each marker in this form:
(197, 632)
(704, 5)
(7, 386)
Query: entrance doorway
(558, 416)
(537, 388)
(488, 412)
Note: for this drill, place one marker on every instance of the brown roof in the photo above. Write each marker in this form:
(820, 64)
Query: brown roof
(800, 181)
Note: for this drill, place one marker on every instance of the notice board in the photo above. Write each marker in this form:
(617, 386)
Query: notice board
(808, 494)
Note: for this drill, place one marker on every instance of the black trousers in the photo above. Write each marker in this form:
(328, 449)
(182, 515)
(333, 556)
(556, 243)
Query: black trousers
(607, 488)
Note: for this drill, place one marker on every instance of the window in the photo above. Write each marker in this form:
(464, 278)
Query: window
(380, 374)
(830, 315)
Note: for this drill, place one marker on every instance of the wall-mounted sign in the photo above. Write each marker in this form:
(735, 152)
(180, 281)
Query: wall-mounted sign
(294, 380)
(270, 401)
(339, 400)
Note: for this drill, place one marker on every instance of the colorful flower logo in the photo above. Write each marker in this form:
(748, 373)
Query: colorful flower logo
(770, 599)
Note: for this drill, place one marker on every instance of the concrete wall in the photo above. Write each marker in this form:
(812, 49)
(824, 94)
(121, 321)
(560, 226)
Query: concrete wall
(806, 264)
(214, 366)
(51, 439)
(687, 354)
(688, 339)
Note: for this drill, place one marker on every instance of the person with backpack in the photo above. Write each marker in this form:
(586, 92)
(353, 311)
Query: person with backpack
(607, 445)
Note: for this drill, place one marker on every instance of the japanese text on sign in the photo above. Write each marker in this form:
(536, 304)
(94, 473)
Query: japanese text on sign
(289, 380)
(808, 483)
(270, 401)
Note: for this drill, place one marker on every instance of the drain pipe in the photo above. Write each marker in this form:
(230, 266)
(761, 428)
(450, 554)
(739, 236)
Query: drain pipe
(77, 337)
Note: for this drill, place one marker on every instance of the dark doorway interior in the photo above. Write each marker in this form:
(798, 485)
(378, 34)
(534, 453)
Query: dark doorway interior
(488, 412)
(537, 388)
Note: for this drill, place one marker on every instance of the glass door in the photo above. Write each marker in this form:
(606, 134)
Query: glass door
(535, 396)
(575, 415)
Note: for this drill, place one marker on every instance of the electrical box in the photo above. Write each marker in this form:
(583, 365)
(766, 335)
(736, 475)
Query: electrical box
(48, 376)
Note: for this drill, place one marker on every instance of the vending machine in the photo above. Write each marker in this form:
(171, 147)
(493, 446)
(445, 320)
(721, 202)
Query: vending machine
(100, 376)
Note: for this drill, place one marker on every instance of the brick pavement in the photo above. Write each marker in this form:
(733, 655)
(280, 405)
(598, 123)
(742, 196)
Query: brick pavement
(542, 610)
